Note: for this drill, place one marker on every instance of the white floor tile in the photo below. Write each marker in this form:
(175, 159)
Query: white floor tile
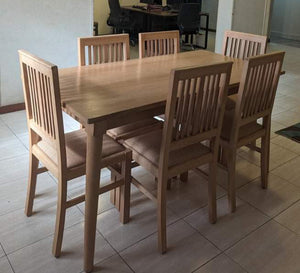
(187, 251)
(221, 264)
(5, 266)
(37, 257)
(230, 227)
(279, 195)
(142, 223)
(272, 248)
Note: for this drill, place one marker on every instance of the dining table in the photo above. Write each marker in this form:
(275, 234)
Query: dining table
(105, 96)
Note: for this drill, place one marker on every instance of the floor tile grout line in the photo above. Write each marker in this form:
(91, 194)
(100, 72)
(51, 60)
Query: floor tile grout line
(202, 235)
(207, 262)
(46, 237)
(247, 235)
(114, 251)
(11, 266)
(235, 262)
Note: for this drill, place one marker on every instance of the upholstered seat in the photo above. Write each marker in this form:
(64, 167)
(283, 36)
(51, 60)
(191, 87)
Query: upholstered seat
(64, 155)
(231, 102)
(133, 129)
(244, 131)
(148, 146)
(253, 101)
(76, 148)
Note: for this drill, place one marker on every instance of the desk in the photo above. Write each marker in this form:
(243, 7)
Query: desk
(169, 20)
(109, 95)
(149, 16)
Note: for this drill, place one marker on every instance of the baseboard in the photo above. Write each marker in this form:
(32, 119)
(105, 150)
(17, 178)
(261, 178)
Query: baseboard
(12, 108)
(283, 35)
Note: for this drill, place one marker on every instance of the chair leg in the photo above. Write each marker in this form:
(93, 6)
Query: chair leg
(252, 145)
(231, 160)
(33, 167)
(265, 153)
(184, 177)
(161, 214)
(169, 184)
(125, 189)
(60, 217)
(212, 186)
(114, 194)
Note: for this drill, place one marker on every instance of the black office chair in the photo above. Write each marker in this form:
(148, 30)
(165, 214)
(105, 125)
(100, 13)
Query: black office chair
(188, 22)
(120, 20)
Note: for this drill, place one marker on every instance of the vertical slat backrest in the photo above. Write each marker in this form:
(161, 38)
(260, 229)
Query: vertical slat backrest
(258, 87)
(42, 100)
(195, 105)
(243, 45)
(103, 49)
(158, 43)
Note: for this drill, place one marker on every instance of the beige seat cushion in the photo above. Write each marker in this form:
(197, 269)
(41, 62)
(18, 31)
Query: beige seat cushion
(134, 129)
(231, 102)
(76, 148)
(148, 146)
(245, 130)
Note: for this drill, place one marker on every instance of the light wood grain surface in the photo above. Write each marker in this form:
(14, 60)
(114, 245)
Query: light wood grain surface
(101, 92)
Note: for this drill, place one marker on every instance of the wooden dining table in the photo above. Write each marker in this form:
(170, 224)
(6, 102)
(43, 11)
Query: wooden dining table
(105, 96)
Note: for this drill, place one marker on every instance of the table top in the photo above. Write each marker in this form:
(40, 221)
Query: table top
(99, 92)
(155, 12)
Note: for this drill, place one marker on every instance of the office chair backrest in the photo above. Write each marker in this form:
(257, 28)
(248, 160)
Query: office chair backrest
(189, 17)
(243, 45)
(115, 8)
(42, 101)
(195, 105)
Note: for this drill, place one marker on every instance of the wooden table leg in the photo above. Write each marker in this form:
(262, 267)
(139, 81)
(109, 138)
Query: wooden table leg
(93, 161)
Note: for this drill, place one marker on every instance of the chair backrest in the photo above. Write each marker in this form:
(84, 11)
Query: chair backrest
(195, 106)
(158, 43)
(42, 101)
(243, 45)
(189, 17)
(103, 49)
(257, 88)
(115, 8)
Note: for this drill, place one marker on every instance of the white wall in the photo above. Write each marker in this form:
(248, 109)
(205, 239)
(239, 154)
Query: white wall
(211, 6)
(251, 16)
(242, 15)
(48, 29)
(286, 19)
(224, 22)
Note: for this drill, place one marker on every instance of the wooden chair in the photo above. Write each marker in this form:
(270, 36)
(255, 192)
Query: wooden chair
(255, 100)
(62, 154)
(103, 49)
(194, 113)
(112, 48)
(159, 43)
(243, 45)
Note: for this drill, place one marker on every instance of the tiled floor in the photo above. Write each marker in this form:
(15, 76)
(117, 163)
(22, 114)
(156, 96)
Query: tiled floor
(262, 236)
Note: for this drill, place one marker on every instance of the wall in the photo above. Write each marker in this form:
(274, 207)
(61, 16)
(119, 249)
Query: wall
(286, 19)
(48, 29)
(224, 22)
(242, 15)
(211, 6)
(251, 16)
